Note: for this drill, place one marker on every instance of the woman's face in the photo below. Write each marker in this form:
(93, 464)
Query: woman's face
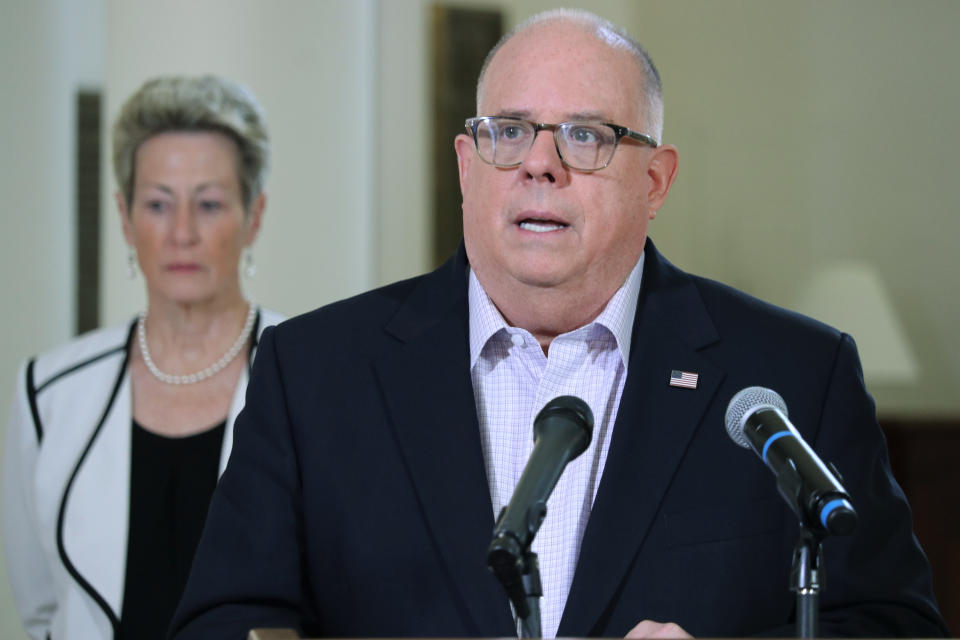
(186, 218)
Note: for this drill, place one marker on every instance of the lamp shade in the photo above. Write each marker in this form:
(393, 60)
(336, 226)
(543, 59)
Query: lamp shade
(852, 297)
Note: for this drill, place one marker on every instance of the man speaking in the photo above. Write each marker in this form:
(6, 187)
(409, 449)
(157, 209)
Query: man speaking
(382, 434)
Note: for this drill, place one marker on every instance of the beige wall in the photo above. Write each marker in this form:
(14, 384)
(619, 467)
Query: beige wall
(313, 66)
(810, 134)
(813, 134)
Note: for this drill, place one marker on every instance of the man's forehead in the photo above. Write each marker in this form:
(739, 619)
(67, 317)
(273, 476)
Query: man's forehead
(557, 98)
(561, 67)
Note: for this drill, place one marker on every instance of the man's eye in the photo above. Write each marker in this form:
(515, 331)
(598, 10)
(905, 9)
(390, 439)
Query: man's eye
(584, 135)
(156, 206)
(210, 205)
(514, 132)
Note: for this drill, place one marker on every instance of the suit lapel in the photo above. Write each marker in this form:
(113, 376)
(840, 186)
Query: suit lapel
(655, 423)
(430, 399)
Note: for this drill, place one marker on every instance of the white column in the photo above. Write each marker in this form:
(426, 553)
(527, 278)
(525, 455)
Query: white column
(49, 49)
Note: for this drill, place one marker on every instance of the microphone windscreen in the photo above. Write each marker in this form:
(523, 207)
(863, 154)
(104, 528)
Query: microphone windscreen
(745, 402)
(571, 410)
(573, 404)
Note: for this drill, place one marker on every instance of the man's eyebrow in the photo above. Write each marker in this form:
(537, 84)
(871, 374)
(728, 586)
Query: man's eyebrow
(519, 115)
(592, 116)
(576, 116)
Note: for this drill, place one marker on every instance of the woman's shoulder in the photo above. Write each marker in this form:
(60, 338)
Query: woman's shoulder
(268, 318)
(80, 352)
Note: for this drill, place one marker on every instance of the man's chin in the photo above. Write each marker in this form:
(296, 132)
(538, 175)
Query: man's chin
(543, 278)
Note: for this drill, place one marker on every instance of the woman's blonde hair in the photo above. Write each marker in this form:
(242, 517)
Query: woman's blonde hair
(201, 103)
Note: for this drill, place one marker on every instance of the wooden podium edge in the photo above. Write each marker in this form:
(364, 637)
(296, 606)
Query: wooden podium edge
(273, 634)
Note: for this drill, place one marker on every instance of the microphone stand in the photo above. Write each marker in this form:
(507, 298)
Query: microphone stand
(529, 627)
(562, 431)
(518, 570)
(807, 575)
(807, 578)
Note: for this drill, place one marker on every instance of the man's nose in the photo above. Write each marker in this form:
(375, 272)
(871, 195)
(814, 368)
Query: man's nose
(542, 161)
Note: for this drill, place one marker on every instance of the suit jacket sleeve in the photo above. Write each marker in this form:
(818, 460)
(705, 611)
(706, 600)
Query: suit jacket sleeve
(27, 566)
(255, 515)
(875, 582)
(878, 580)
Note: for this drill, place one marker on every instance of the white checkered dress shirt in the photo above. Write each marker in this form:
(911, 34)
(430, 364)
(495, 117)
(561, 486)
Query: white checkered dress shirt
(512, 381)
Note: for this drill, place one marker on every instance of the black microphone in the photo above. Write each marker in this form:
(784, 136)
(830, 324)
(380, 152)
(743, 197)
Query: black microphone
(757, 419)
(561, 432)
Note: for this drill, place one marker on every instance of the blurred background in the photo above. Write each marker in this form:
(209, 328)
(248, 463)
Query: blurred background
(818, 170)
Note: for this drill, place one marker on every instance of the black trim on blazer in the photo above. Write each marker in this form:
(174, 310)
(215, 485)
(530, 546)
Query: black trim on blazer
(255, 338)
(32, 400)
(80, 365)
(61, 549)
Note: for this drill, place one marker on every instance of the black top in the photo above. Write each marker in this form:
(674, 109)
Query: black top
(171, 482)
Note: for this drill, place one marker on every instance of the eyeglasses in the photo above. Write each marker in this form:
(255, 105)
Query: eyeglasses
(584, 146)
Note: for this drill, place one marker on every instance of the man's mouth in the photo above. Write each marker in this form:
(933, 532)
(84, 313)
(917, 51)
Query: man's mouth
(541, 226)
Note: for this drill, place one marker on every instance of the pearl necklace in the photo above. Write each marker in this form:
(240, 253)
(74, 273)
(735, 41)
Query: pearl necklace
(217, 366)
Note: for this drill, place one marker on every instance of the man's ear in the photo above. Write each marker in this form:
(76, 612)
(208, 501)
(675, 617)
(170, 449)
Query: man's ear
(662, 171)
(465, 155)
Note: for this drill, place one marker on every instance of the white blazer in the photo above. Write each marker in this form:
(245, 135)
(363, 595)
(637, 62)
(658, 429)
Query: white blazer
(66, 482)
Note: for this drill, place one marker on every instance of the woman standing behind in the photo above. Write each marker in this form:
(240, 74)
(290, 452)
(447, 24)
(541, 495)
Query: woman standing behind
(118, 437)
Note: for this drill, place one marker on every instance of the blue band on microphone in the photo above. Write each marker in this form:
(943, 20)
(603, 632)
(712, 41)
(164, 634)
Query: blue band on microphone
(829, 507)
(770, 440)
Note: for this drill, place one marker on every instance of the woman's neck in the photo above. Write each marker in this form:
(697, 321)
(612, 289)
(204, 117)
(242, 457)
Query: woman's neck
(184, 337)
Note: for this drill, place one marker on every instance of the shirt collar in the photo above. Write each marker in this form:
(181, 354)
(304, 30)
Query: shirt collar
(485, 318)
(617, 316)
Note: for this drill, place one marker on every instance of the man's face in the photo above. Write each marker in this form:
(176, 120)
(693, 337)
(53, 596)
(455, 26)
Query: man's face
(542, 224)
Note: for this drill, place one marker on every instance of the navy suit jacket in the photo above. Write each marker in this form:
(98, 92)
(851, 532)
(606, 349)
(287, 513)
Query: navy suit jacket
(355, 502)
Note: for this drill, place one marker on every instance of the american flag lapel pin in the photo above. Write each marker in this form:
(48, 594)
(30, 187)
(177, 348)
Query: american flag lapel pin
(684, 379)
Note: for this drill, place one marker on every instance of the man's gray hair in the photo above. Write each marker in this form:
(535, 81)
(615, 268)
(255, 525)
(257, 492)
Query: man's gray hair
(611, 34)
(187, 103)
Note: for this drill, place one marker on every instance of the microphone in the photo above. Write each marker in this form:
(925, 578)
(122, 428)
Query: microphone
(757, 419)
(561, 432)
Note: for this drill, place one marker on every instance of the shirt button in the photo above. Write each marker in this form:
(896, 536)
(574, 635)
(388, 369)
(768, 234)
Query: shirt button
(517, 339)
